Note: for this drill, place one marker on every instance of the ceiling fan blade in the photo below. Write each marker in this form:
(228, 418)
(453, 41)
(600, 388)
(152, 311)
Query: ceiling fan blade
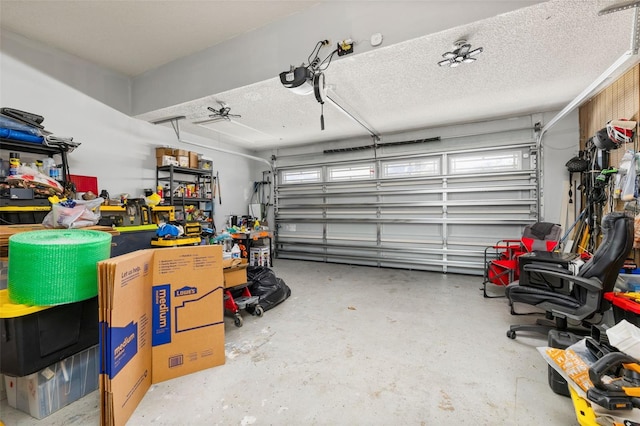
(213, 119)
(475, 51)
(448, 55)
(445, 62)
(215, 111)
(455, 64)
(468, 59)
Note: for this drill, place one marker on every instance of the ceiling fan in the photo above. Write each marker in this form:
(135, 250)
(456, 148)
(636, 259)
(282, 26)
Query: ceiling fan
(223, 113)
(461, 53)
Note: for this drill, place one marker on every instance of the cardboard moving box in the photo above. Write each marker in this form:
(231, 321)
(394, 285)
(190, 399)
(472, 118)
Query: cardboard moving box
(161, 316)
(235, 272)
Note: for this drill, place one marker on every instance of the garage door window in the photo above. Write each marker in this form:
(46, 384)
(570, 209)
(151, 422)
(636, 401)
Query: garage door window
(410, 168)
(345, 173)
(301, 176)
(485, 162)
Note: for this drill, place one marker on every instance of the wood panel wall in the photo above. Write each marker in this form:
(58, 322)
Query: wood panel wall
(619, 100)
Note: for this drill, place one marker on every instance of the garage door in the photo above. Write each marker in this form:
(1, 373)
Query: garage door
(409, 209)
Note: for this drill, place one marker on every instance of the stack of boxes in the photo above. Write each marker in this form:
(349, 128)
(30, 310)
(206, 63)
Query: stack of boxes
(167, 156)
(48, 354)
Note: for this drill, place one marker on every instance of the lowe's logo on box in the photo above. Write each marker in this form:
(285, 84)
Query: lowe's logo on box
(124, 346)
(161, 315)
(186, 291)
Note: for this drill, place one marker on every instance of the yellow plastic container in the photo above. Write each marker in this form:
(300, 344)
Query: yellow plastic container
(14, 310)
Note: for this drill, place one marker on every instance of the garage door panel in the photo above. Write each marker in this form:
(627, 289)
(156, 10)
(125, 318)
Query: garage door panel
(433, 211)
(359, 232)
(398, 232)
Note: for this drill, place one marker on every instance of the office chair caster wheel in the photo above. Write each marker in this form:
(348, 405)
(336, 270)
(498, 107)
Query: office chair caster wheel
(238, 321)
(259, 311)
(511, 334)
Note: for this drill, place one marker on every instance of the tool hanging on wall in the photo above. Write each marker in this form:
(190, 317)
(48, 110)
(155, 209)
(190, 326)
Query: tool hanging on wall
(575, 165)
(218, 185)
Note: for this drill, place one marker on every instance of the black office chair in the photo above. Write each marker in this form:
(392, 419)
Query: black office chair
(594, 278)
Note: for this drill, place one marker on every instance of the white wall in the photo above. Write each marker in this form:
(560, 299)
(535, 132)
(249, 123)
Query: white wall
(109, 87)
(117, 149)
(560, 144)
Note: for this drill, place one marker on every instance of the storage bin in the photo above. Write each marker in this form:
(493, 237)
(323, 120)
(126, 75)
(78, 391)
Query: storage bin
(561, 340)
(32, 337)
(624, 308)
(48, 390)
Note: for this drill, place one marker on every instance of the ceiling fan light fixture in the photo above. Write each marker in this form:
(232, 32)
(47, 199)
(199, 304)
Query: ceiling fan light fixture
(461, 53)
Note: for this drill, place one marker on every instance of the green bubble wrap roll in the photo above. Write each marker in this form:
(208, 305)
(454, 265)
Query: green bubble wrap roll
(55, 266)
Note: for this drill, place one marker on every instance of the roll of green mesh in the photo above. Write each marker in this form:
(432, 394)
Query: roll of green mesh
(54, 267)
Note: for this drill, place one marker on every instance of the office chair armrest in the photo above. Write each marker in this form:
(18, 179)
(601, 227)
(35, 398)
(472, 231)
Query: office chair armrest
(591, 284)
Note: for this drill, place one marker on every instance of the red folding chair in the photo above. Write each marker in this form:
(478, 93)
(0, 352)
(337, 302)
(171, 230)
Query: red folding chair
(501, 260)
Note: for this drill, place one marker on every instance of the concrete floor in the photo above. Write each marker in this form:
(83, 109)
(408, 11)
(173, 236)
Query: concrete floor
(358, 346)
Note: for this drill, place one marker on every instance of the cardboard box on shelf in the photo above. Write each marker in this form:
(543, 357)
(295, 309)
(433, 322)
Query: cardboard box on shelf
(193, 160)
(58, 385)
(183, 160)
(180, 152)
(162, 317)
(164, 150)
(166, 160)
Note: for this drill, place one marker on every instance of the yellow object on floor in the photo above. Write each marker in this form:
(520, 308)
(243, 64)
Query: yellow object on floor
(584, 412)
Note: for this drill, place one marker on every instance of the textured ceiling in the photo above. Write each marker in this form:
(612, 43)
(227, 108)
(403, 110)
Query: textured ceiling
(535, 58)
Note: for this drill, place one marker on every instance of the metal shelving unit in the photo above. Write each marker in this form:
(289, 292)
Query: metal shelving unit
(177, 177)
(33, 210)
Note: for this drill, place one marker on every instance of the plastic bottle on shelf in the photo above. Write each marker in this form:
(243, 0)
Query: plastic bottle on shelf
(235, 252)
(14, 163)
(47, 164)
